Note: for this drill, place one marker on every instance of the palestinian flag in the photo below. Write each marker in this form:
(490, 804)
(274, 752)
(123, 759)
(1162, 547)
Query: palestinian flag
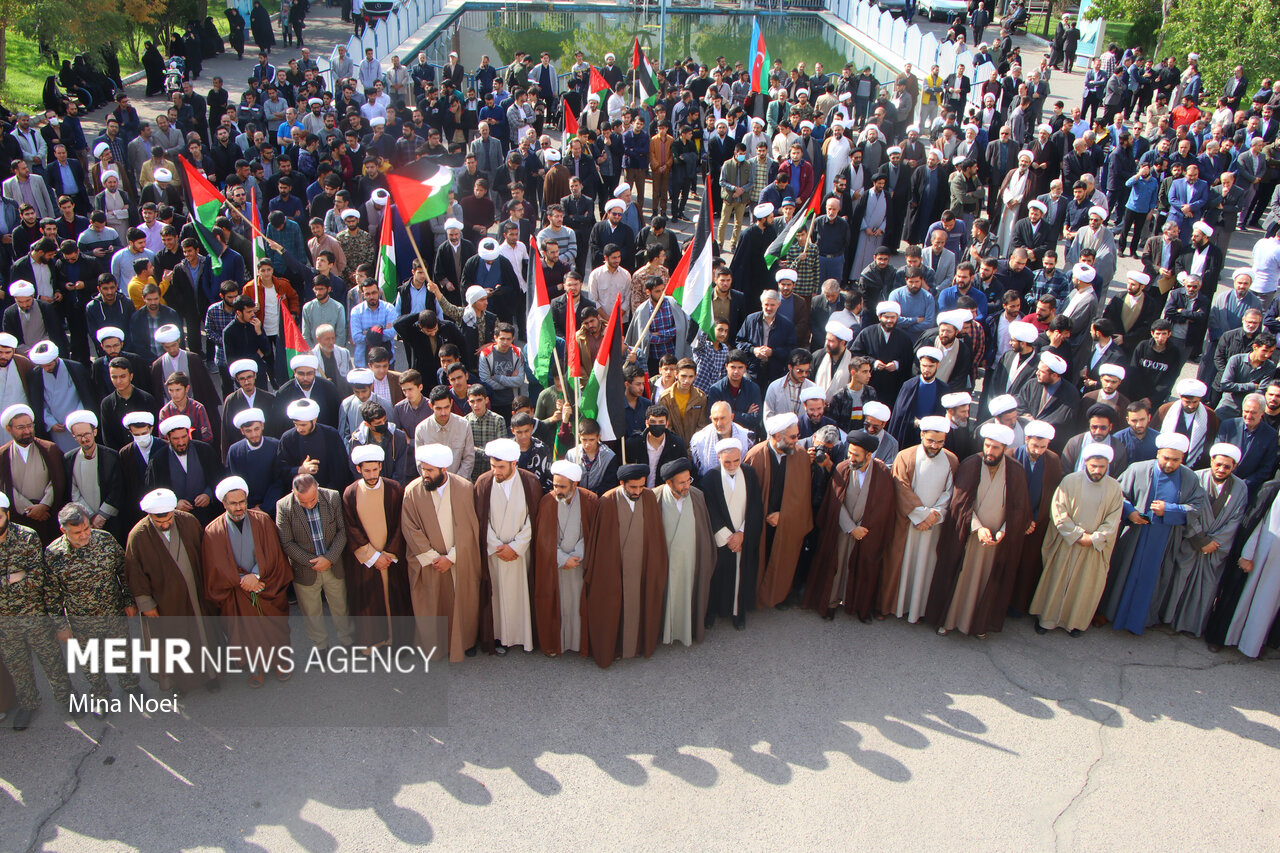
(690, 283)
(387, 278)
(205, 202)
(646, 84)
(758, 59)
(800, 221)
(256, 240)
(570, 121)
(599, 86)
(540, 350)
(573, 355)
(294, 343)
(603, 399)
(421, 199)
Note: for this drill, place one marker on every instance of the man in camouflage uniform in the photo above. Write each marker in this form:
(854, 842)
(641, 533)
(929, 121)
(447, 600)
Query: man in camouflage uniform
(25, 626)
(89, 598)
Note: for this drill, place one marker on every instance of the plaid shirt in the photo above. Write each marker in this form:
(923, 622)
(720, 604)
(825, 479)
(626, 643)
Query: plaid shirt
(710, 361)
(316, 529)
(662, 333)
(978, 343)
(807, 281)
(215, 320)
(200, 427)
(483, 431)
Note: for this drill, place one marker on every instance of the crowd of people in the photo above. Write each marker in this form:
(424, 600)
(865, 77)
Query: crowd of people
(980, 433)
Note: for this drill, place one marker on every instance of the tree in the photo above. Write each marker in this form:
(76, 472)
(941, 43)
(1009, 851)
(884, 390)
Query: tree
(1144, 15)
(1225, 33)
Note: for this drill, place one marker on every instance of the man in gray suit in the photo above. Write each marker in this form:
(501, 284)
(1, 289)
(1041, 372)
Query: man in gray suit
(314, 536)
(23, 186)
(939, 258)
(1251, 165)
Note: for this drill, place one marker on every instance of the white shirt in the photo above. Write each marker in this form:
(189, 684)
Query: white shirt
(1266, 266)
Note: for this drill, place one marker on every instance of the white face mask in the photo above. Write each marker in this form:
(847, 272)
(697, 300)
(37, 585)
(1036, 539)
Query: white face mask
(143, 441)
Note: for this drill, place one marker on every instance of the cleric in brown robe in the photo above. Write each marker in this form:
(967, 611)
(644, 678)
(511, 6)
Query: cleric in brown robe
(626, 577)
(973, 581)
(856, 522)
(785, 491)
(162, 563)
(556, 607)
(377, 578)
(1043, 468)
(443, 538)
(532, 487)
(247, 576)
(33, 483)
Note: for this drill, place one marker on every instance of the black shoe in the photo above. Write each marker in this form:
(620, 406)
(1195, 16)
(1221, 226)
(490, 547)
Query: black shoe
(499, 649)
(740, 623)
(1075, 632)
(1040, 629)
(783, 605)
(22, 719)
(829, 616)
(709, 622)
(212, 686)
(471, 652)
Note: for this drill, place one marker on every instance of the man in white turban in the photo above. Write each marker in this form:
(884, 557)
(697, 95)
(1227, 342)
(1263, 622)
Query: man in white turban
(559, 554)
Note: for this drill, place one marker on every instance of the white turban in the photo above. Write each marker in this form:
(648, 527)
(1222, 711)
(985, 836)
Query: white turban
(958, 398)
(8, 340)
(888, 306)
(929, 352)
(162, 176)
(304, 360)
(109, 173)
(1173, 441)
(503, 449)
(435, 455)
(81, 416)
(380, 197)
(812, 392)
(1093, 449)
(173, 422)
(1028, 153)
(876, 409)
(377, 121)
(168, 334)
(248, 416)
(1054, 362)
(840, 330)
(893, 149)
(761, 210)
(935, 423)
(228, 485)
(621, 188)
(1038, 205)
(240, 365)
(367, 453)
(807, 124)
(997, 432)
(350, 212)
(109, 332)
(1224, 448)
(100, 149)
(553, 156)
(452, 224)
(13, 411)
(569, 470)
(1140, 277)
(1023, 332)
(726, 444)
(957, 318)
(782, 422)
(22, 288)
(475, 293)
(360, 376)
(1204, 228)
(158, 502)
(786, 275)
(1084, 272)
(45, 352)
(1111, 370)
(615, 204)
(1002, 404)
(1190, 388)
(488, 249)
(1098, 210)
(1039, 429)
(303, 410)
(138, 419)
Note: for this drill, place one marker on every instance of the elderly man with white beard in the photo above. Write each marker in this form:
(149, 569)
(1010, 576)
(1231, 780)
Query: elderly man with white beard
(732, 493)
(507, 499)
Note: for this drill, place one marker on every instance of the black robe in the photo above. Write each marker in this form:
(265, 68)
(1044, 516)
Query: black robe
(902, 425)
(751, 275)
(871, 342)
(722, 581)
(153, 63)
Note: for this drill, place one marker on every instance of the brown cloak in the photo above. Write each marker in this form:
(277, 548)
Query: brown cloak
(151, 572)
(546, 585)
(262, 627)
(867, 557)
(532, 499)
(990, 612)
(48, 529)
(778, 566)
(365, 600)
(1031, 564)
(602, 582)
(446, 605)
(904, 471)
(704, 561)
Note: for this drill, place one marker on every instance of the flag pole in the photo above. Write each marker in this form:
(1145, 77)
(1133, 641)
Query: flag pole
(577, 391)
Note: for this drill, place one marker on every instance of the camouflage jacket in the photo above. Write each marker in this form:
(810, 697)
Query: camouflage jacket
(86, 583)
(24, 582)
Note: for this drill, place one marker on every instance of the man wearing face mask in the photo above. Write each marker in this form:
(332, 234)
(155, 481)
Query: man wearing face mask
(656, 446)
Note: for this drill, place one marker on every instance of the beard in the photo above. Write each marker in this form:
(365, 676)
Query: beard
(989, 462)
(1097, 478)
(432, 484)
(931, 452)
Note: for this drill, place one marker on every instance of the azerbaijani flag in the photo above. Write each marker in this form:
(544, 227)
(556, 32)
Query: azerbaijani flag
(294, 343)
(603, 399)
(421, 200)
(758, 59)
(541, 328)
(387, 278)
(690, 283)
(800, 221)
(646, 86)
(205, 202)
(570, 121)
(598, 85)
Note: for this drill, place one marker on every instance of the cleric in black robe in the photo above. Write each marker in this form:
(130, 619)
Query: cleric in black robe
(920, 397)
(897, 191)
(324, 392)
(153, 64)
(930, 195)
(887, 344)
(751, 274)
(188, 467)
(733, 584)
(1051, 399)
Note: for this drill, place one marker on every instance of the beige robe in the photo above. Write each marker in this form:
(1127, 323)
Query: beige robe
(1075, 576)
(509, 524)
(930, 484)
(682, 565)
(988, 512)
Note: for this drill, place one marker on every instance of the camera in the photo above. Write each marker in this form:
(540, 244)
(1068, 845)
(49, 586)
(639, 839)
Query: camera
(819, 455)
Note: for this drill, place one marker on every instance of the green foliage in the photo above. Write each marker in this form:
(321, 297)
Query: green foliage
(1143, 16)
(1225, 33)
